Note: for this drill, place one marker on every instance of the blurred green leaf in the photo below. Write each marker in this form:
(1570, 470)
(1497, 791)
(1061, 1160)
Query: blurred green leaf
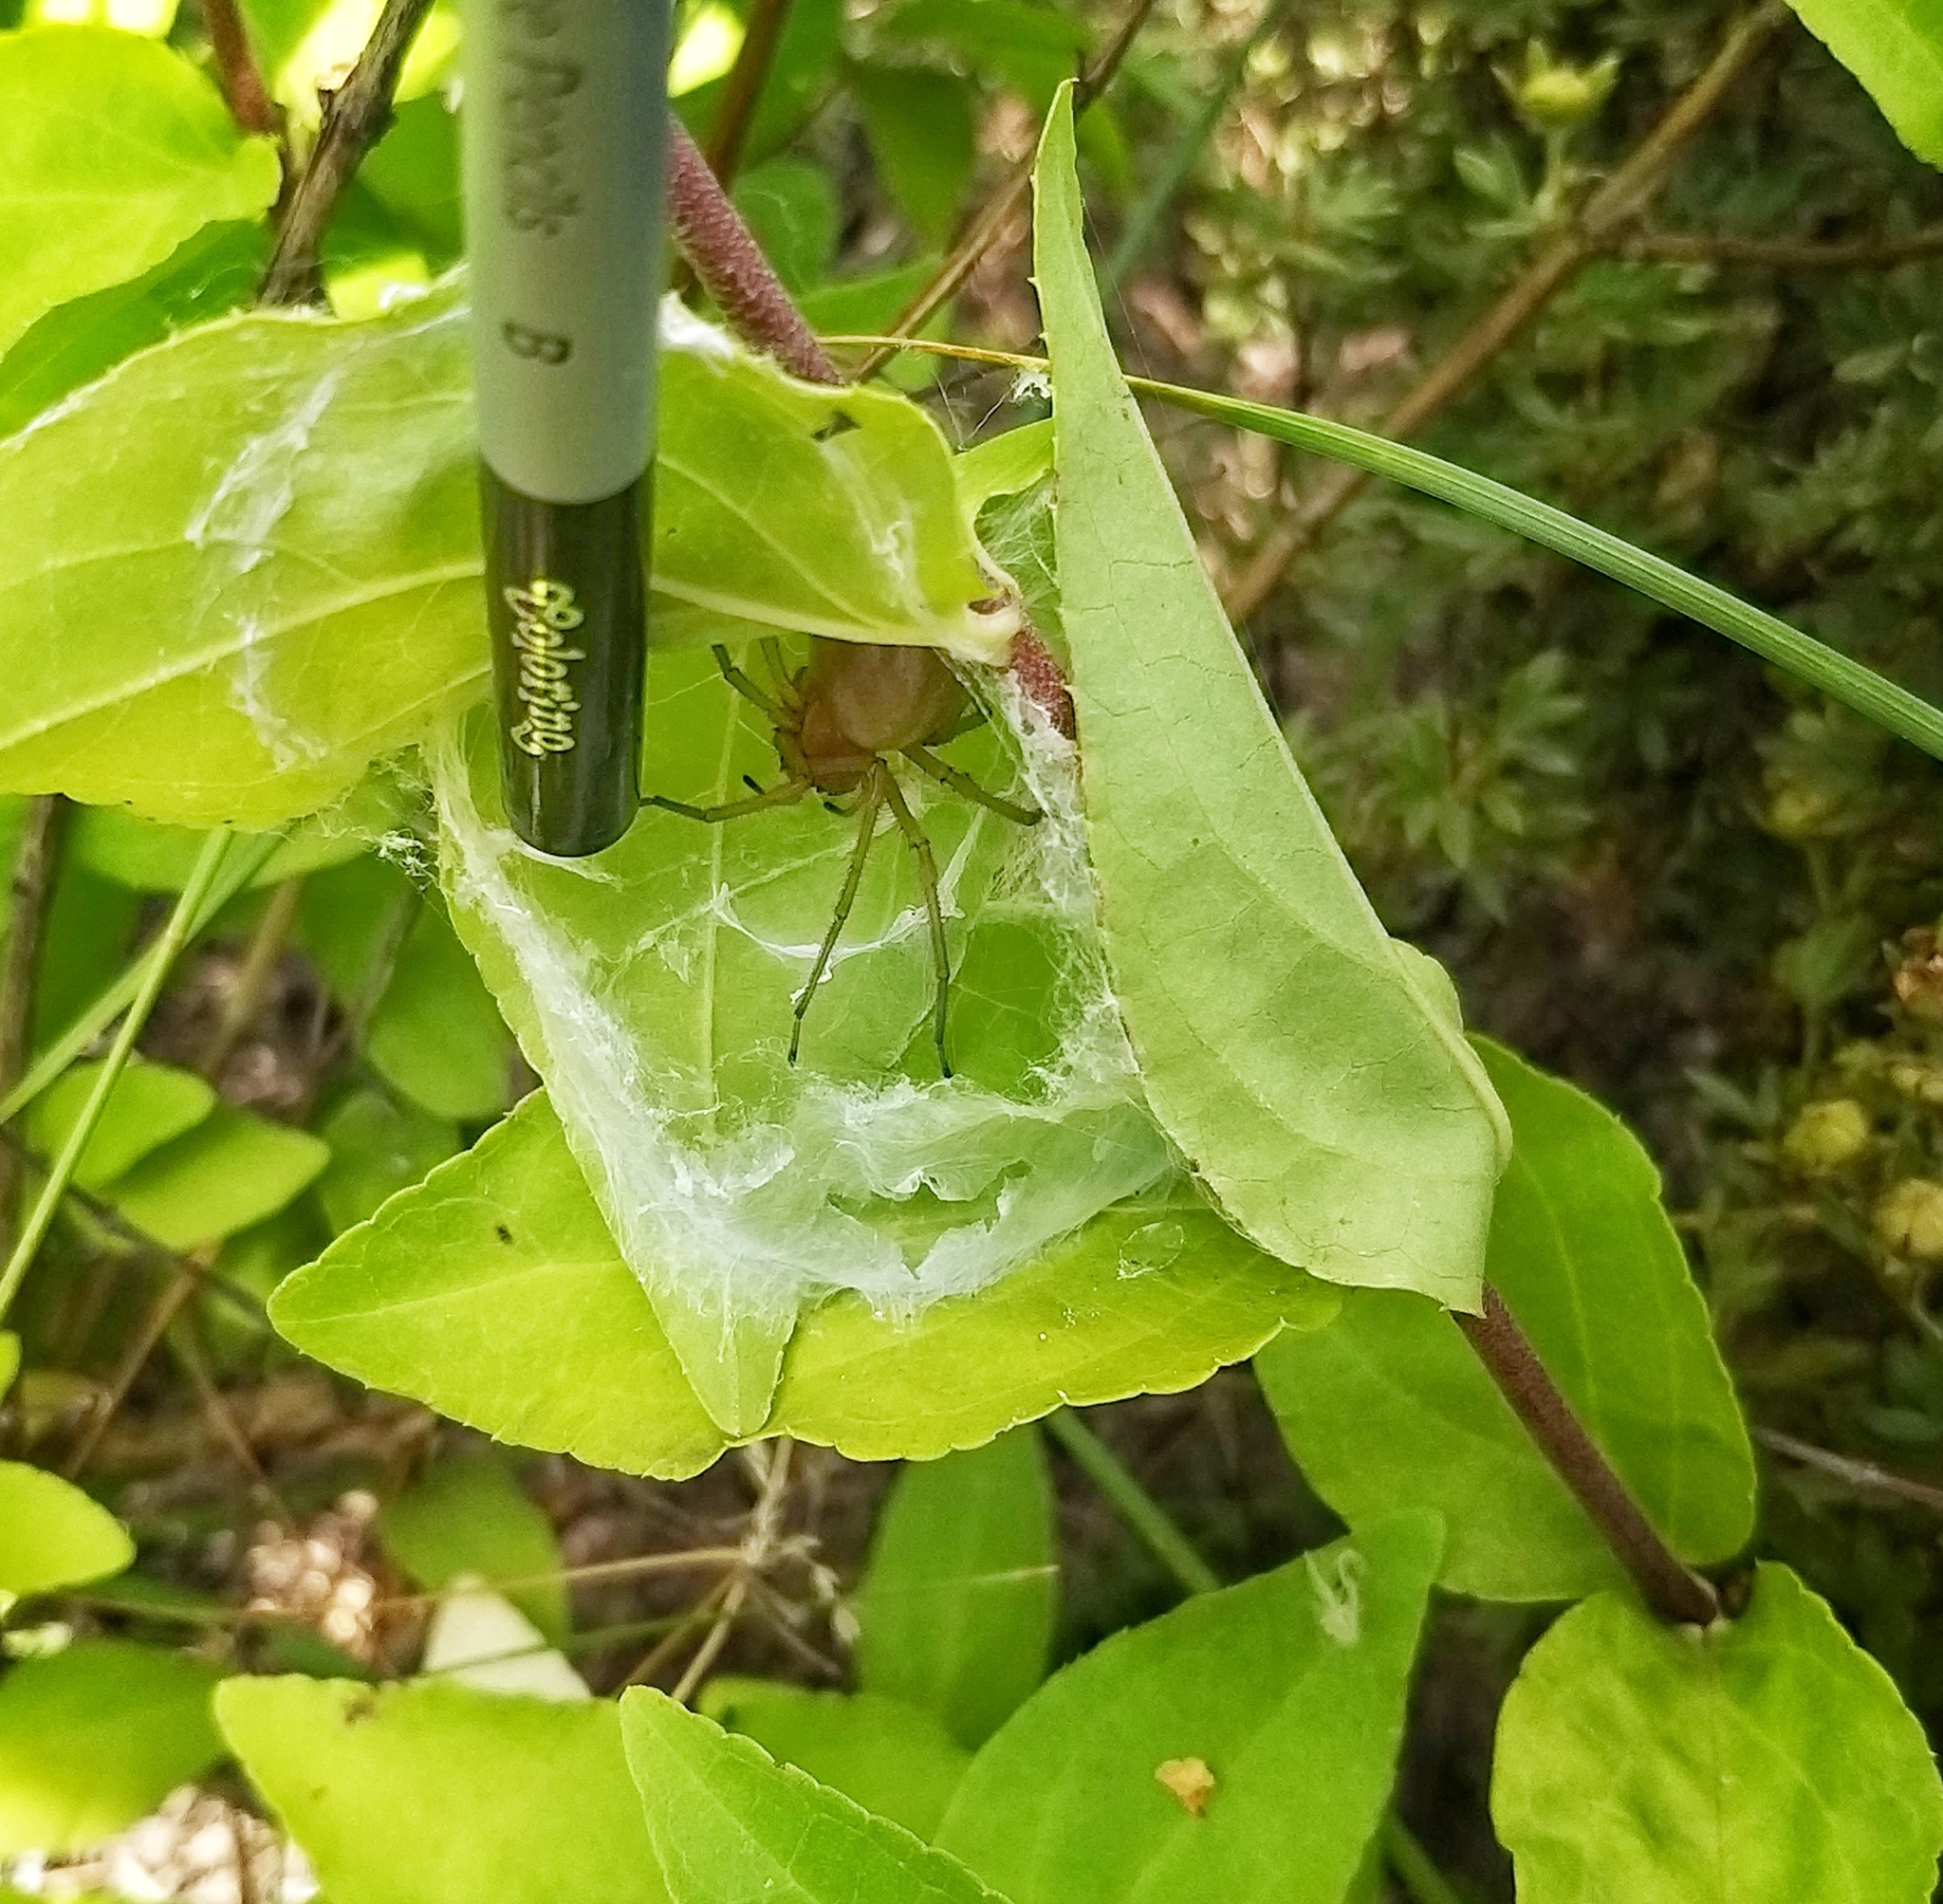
(467, 1514)
(728, 1821)
(1237, 1750)
(510, 1800)
(803, 70)
(52, 1534)
(1767, 1760)
(1389, 1408)
(94, 1736)
(923, 137)
(378, 1148)
(1339, 1122)
(414, 173)
(495, 1293)
(790, 207)
(142, 140)
(894, 1759)
(146, 856)
(957, 1607)
(150, 1105)
(436, 1035)
(232, 1171)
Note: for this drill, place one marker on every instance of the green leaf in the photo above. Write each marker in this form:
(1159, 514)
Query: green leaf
(957, 1607)
(1896, 49)
(214, 271)
(894, 1759)
(1288, 1690)
(1389, 1408)
(924, 140)
(113, 150)
(1767, 1760)
(230, 1172)
(1339, 1122)
(790, 207)
(52, 1534)
(510, 1800)
(436, 1035)
(10, 1359)
(301, 489)
(467, 1514)
(378, 1147)
(150, 1105)
(655, 989)
(801, 68)
(94, 1736)
(493, 1293)
(728, 1821)
(148, 856)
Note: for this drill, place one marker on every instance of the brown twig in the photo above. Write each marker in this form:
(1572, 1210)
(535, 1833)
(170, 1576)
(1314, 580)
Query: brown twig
(252, 981)
(222, 1421)
(1599, 227)
(1784, 254)
(29, 892)
(1862, 1474)
(237, 72)
(730, 267)
(355, 116)
(1003, 206)
(163, 1311)
(743, 90)
(1670, 1588)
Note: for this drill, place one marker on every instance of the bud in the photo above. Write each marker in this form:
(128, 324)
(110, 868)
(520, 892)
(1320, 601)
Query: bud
(1553, 96)
(1919, 1078)
(1917, 980)
(1799, 810)
(1826, 1135)
(1908, 1219)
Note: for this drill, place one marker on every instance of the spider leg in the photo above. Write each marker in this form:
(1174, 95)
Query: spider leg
(732, 809)
(873, 799)
(920, 843)
(779, 669)
(926, 762)
(743, 685)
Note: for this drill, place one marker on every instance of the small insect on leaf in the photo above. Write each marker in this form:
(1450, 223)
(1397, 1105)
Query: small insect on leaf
(1189, 1780)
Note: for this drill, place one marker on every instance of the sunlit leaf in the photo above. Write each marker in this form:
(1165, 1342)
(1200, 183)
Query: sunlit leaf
(150, 1105)
(1767, 1760)
(1237, 1750)
(113, 150)
(1896, 49)
(232, 1171)
(1390, 1407)
(440, 1791)
(52, 1534)
(1336, 1119)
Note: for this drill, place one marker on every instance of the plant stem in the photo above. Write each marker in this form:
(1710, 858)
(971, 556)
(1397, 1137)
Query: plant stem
(1670, 1588)
(730, 265)
(743, 90)
(1004, 204)
(355, 115)
(1142, 1514)
(1862, 1474)
(114, 998)
(1784, 254)
(252, 981)
(175, 935)
(237, 72)
(31, 891)
(1138, 234)
(166, 1307)
(1600, 226)
(1411, 1863)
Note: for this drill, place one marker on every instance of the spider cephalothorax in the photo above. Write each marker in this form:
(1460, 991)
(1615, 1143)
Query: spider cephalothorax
(839, 721)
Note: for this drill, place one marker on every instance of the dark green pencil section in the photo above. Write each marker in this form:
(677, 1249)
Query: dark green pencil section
(567, 617)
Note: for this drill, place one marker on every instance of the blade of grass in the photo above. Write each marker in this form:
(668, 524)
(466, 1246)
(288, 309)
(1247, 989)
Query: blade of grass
(115, 998)
(1812, 662)
(168, 947)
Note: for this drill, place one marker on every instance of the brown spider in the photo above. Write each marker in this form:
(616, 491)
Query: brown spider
(838, 720)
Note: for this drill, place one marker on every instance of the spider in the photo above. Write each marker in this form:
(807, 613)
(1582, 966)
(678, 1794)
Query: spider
(838, 720)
